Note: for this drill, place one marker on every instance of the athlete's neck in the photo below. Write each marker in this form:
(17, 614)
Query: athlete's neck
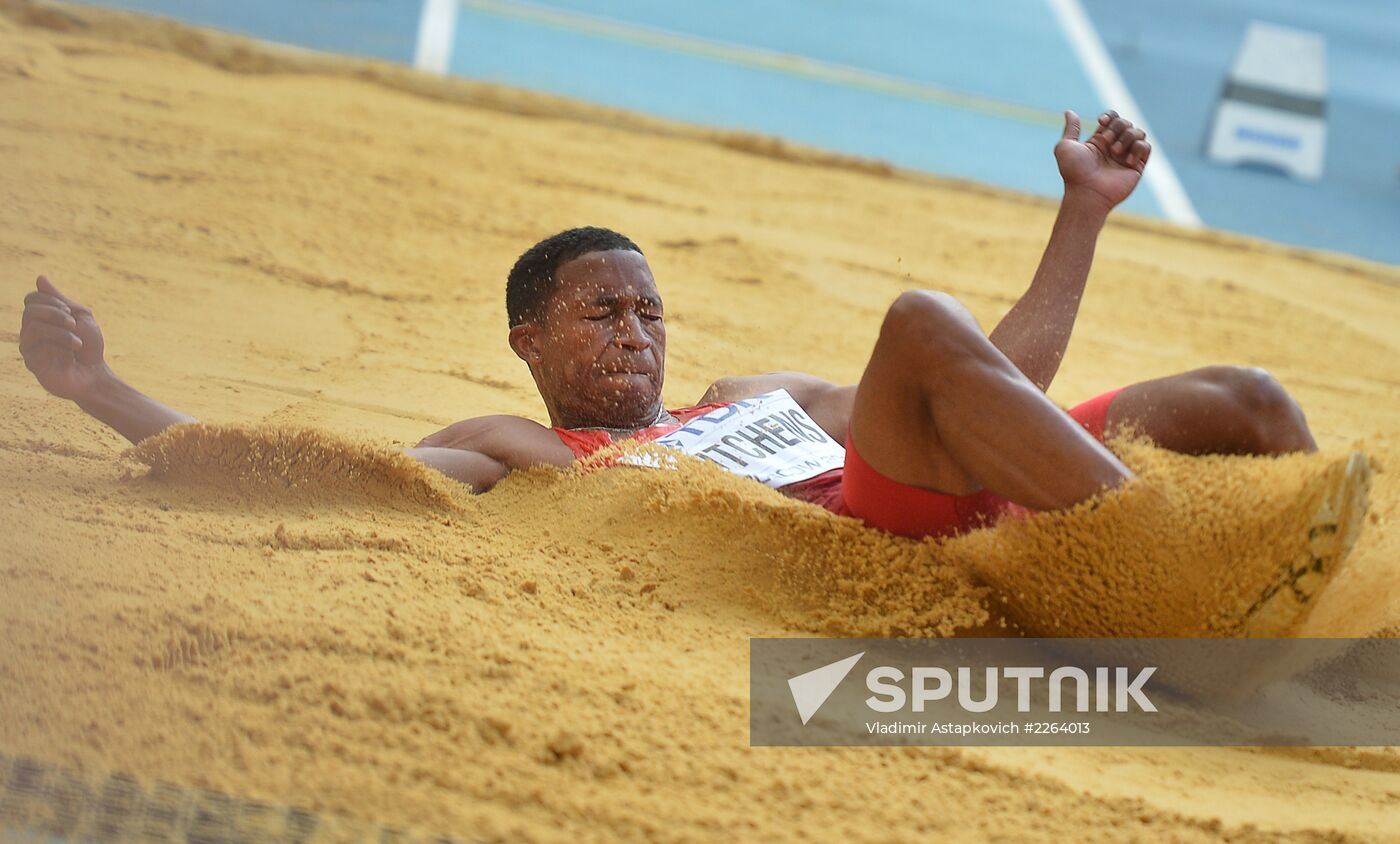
(663, 417)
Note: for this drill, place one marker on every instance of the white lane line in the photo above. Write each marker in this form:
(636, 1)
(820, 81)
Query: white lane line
(1109, 85)
(436, 29)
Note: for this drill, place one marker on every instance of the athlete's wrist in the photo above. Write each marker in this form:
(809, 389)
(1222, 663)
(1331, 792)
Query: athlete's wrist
(103, 387)
(1086, 203)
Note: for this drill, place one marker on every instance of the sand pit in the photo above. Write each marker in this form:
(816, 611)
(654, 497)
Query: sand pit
(309, 254)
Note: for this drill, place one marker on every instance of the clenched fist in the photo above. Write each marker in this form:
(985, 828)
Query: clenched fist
(61, 343)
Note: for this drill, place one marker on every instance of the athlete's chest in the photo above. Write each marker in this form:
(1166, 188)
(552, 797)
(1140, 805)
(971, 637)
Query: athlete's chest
(768, 437)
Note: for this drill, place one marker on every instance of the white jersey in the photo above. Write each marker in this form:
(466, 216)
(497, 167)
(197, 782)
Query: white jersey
(769, 438)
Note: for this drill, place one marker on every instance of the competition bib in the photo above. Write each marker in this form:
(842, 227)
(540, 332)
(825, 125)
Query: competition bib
(769, 438)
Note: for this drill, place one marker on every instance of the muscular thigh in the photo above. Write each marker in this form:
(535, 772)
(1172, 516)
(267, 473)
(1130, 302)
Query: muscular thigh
(892, 424)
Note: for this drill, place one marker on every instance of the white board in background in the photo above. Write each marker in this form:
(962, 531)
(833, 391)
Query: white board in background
(1273, 108)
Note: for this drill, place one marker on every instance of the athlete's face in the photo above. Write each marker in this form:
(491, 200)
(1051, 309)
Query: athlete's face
(599, 352)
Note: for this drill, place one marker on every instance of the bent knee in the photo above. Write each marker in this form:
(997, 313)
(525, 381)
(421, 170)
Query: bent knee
(1254, 390)
(928, 319)
(1272, 420)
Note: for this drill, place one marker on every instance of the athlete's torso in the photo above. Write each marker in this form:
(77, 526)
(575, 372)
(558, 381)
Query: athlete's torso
(768, 438)
(584, 441)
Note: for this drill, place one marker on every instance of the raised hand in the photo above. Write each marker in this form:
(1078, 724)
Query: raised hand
(61, 343)
(1109, 165)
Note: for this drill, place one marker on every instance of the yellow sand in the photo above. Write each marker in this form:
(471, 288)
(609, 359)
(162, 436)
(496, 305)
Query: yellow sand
(292, 612)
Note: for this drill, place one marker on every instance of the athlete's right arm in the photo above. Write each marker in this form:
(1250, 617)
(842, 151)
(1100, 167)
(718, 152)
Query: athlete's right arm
(479, 452)
(63, 347)
(472, 468)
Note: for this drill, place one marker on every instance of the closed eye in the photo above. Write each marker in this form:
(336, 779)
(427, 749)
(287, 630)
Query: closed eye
(645, 316)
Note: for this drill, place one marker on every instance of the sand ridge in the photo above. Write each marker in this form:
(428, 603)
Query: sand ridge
(313, 263)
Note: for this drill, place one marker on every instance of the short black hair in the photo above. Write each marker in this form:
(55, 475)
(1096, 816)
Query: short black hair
(532, 279)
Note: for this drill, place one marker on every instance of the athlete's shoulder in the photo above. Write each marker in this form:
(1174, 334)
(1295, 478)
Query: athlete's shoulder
(799, 385)
(462, 434)
(830, 405)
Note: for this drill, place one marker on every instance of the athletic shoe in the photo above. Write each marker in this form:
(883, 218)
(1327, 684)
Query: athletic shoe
(1334, 527)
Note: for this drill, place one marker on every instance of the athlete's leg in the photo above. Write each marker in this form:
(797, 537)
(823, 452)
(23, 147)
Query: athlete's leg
(1215, 410)
(940, 407)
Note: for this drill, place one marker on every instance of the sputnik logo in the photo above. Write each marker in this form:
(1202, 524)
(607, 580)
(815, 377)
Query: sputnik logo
(810, 690)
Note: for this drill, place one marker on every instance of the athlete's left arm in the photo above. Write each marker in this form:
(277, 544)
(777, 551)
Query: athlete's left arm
(828, 404)
(1098, 174)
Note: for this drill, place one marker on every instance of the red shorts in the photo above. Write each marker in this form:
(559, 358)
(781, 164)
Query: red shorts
(916, 512)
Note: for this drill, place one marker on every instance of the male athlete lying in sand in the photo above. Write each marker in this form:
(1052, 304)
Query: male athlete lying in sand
(948, 428)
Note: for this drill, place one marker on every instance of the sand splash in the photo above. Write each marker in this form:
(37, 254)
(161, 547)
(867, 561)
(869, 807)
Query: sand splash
(284, 465)
(1187, 549)
(1191, 548)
